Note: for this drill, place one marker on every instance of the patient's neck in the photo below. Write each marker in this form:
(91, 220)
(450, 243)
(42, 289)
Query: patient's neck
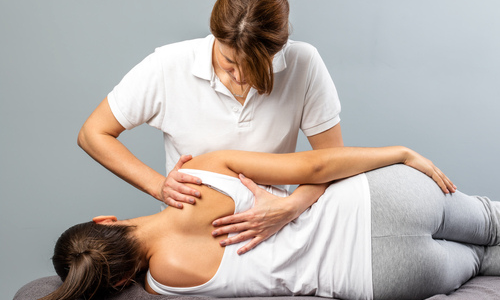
(147, 232)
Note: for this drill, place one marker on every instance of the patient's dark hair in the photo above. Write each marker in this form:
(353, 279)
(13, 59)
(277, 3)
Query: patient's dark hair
(92, 259)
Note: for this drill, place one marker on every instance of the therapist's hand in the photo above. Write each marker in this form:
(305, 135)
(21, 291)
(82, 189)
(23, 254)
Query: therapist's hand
(269, 214)
(174, 192)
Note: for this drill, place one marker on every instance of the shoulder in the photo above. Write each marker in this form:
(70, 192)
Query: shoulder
(215, 161)
(179, 53)
(299, 56)
(299, 45)
(178, 269)
(180, 47)
(299, 49)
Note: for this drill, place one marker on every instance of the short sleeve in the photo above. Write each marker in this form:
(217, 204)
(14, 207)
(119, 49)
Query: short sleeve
(322, 104)
(140, 95)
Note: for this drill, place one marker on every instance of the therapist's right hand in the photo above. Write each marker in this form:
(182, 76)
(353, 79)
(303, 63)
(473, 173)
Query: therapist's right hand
(174, 190)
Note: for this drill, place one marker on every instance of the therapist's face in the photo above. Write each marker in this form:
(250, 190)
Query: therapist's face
(225, 59)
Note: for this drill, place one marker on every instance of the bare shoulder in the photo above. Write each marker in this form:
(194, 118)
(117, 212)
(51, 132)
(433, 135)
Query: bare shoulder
(213, 161)
(186, 261)
(174, 272)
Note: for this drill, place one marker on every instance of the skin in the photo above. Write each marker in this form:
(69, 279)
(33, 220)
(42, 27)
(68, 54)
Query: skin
(266, 218)
(227, 70)
(99, 138)
(173, 254)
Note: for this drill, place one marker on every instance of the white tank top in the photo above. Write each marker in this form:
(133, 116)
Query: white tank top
(325, 252)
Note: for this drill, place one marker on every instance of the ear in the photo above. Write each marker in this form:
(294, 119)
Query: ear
(104, 219)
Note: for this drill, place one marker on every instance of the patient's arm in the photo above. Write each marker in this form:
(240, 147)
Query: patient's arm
(315, 166)
(270, 214)
(319, 166)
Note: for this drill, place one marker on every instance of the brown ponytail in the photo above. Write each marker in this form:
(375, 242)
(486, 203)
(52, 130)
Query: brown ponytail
(92, 259)
(256, 30)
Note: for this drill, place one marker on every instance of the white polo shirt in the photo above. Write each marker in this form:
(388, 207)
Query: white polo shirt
(176, 90)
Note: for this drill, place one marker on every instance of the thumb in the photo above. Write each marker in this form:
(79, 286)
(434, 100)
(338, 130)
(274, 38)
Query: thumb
(249, 184)
(183, 159)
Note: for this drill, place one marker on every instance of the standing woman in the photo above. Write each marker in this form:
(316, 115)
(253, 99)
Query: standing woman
(245, 87)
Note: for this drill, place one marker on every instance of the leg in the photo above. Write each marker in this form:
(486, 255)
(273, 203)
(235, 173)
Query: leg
(491, 261)
(418, 267)
(469, 219)
(409, 216)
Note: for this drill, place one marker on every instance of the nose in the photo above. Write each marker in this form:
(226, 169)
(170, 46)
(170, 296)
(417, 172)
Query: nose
(237, 76)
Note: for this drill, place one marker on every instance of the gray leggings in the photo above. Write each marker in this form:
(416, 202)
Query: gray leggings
(425, 242)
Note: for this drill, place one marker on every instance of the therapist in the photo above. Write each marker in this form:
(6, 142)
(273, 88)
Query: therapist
(246, 86)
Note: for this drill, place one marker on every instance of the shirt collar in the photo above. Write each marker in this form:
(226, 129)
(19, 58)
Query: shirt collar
(203, 68)
(279, 62)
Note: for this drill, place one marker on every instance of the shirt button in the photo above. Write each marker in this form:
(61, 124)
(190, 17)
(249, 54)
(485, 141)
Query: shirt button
(235, 109)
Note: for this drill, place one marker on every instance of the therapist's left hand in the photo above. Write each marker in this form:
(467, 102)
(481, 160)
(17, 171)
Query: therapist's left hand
(269, 214)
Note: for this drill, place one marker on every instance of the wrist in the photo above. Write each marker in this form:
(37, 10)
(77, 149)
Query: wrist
(406, 154)
(303, 197)
(156, 189)
(292, 206)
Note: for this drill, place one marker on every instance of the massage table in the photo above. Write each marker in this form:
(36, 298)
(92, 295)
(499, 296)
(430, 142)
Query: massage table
(478, 288)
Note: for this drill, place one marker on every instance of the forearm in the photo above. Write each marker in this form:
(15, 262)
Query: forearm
(304, 196)
(113, 155)
(338, 163)
(316, 166)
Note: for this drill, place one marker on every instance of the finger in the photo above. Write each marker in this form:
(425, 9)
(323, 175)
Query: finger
(171, 202)
(232, 219)
(250, 245)
(448, 183)
(249, 184)
(440, 182)
(179, 197)
(185, 158)
(181, 161)
(171, 186)
(174, 186)
(233, 228)
(236, 239)
(185, 178)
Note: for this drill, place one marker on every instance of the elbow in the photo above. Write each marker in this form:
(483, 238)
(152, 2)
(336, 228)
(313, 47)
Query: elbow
(81, 140)
(317, 174)
(315, 169)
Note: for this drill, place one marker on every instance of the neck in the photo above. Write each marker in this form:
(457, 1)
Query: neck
(242, 94)
(147, 233)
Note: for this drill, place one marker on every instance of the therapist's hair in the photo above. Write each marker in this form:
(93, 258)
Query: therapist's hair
(256, 30)
(92, 259)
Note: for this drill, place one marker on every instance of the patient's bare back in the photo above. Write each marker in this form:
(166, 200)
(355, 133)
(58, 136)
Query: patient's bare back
(187, 254)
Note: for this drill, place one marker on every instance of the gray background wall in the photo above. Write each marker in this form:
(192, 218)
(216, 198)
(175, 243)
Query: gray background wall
(425, 74)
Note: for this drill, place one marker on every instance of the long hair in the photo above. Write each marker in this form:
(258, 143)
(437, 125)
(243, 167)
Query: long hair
(92, 258)
(256, 30)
